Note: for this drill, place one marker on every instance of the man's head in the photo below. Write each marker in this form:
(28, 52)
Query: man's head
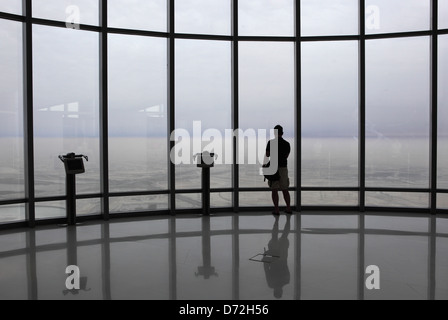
(278, 131)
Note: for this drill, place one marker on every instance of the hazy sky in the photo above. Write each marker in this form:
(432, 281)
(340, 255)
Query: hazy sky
(66, 66)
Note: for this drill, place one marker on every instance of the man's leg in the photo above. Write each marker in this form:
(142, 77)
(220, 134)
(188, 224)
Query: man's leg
(284, 185)
(275, 199)
(287, 198)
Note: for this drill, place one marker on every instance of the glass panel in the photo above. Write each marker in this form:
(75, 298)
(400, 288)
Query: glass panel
(397, 112)
(138, 204)
(203, 110)
(443, 114)
(384, 16)
(73, 12)
(397, 199)
(189, 201)
(442, 201)
(51, 210)
(329, 198)
(266, 17)
(12, 213)
(329, 162)
(203, 16)
(11, 6)
(443, 14)
(138, 14)
(11, 111)
(330, 114)
(329, 17)
(88, 207)
(138, 154)
(266, 72)
(329, 257)
(221, 200)
(263, 199)
(66, 107)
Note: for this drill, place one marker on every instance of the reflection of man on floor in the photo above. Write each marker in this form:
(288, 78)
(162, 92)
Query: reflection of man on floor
(277, 271)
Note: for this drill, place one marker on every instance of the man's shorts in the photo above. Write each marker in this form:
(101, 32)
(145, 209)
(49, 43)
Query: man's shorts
(283, 183)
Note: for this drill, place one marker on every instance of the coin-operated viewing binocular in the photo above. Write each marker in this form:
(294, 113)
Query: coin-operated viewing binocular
(74, 164)
(205, 159)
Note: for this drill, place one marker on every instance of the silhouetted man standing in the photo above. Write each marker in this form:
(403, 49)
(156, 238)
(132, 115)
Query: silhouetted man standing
(284, 149)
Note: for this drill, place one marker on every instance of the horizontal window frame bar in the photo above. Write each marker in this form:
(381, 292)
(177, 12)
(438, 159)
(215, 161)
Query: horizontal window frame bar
(137, 193)
(12, 17)
(271, 38)
(399, 190)
(426, 211)
(13, 202)
(219, 190)
(63, 24)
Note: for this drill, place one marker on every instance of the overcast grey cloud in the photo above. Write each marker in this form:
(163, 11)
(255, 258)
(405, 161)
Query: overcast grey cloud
(329, 17)
(11, 6)
(66, 67)
(266, 17)
(203, 16)
(137, 83)
(57, 10)
(138, 14)
(443, 14)
(330, 86)
(11, 88)
(443, 84)
(399, 15)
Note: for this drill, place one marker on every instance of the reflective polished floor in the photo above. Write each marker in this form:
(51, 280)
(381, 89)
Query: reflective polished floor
(312, 255)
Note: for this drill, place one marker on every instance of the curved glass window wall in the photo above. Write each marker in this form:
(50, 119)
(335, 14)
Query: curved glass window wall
(141, 86)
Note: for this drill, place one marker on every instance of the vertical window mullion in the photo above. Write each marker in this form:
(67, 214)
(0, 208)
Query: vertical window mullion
(434, 106)
(171, 103)
(28, 115)
(104, 110)
(235, 104)
(298, 106)
(362, 106)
